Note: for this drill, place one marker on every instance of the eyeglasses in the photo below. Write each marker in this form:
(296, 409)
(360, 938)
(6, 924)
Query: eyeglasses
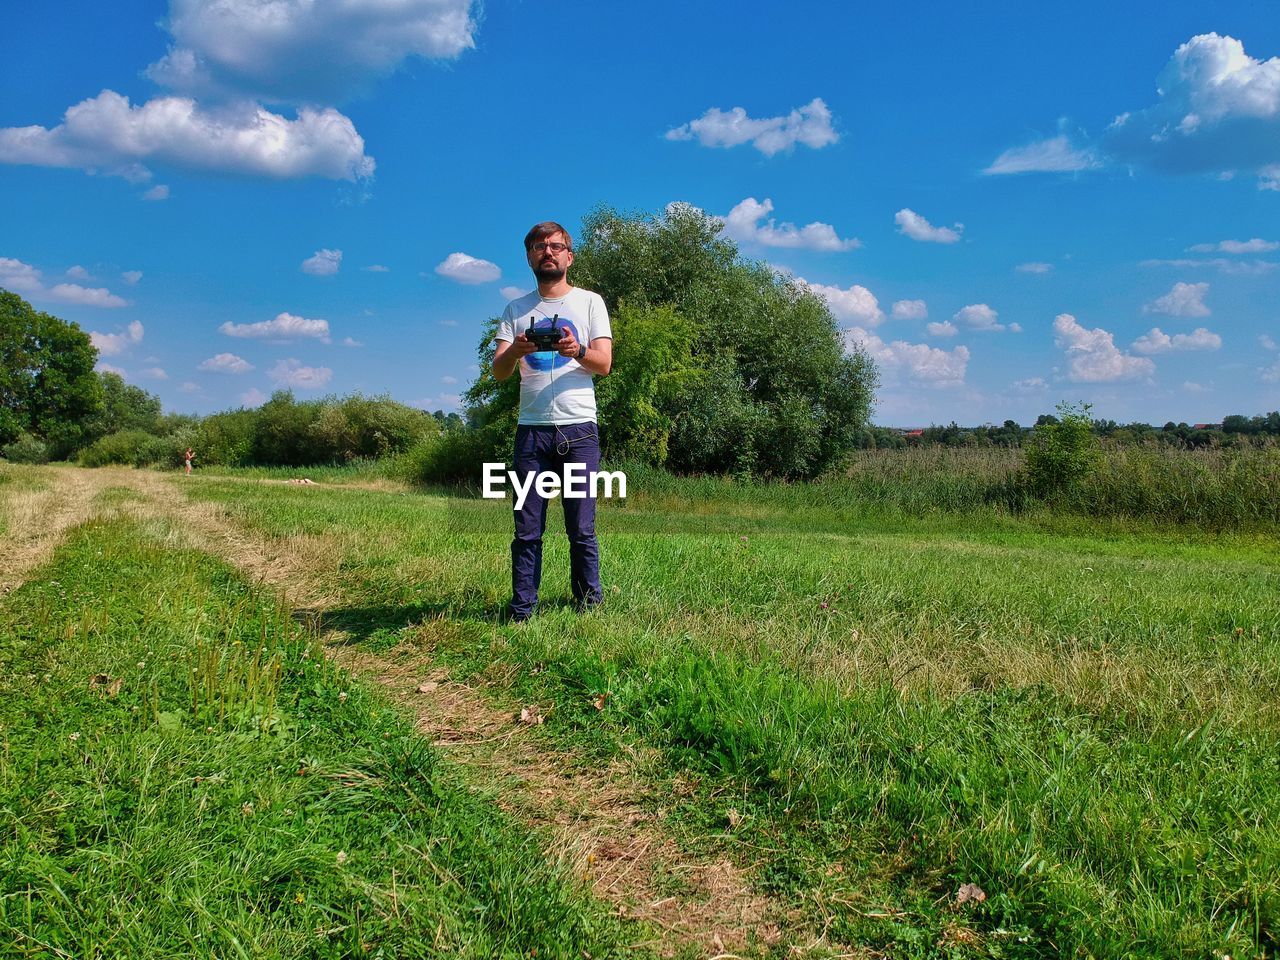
(542, 245)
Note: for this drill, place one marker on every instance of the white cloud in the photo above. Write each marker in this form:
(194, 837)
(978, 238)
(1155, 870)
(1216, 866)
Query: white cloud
(226, 363)
(19, 277)
(447, 323)
(512, 293)
(253, 397)
(1192, 387)
(1034, 267)
(299, 51)
(1015, 328)
(1156, 340)
(285, 326)
(79, 273)
(1271, 374)
(23, 278)
(918, 361)
(323, 263)
(85, 296)
(188, 387)
(1266, 342)
(743, 224)
(1256, 245)
(856, 305)
(1184, 300)
(114, 344)
(441, 401)
(131, 277)
(809, 125)
(108, 368)
(1247, 268)
(1092, 355)
(1218, 110)
(292, 373)
(376, 268)
(909, 310)
(159, 192)
(468, 269)
(917, 227)
(448, 380)
(153, 373)
(1055, 155)
(944, 329)
(106, 133)
(1269, 177)
(978, 316)
(351, 342)
(1029, 385)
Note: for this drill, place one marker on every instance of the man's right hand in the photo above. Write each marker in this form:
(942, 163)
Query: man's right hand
(523, 346)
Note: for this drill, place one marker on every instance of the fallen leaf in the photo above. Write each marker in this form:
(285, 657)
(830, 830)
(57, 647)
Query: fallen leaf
(427, 687)
(531, 716)
(970, 893)
(599, 699)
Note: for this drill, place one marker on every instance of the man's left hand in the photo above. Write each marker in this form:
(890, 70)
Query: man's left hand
(568, 345)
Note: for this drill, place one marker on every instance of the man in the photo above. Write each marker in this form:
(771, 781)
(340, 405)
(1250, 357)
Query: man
(557, 422)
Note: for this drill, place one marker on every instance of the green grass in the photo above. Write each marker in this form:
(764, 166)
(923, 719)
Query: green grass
(182, 774)
(1080, 718)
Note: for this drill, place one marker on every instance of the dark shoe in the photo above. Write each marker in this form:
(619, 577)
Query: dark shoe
(516, 616)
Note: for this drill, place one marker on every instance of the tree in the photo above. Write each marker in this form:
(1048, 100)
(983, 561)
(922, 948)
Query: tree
(48, 387)
(1062, 452)
(124, 407)
(720, 364)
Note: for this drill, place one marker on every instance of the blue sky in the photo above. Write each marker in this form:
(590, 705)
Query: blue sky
(1007, 208)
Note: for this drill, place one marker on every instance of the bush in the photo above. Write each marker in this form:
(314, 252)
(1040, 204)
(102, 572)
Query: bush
(1062, 452)
(133, 448)
(26, 449)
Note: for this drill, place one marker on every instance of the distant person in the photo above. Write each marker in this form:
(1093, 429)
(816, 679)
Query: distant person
(187, 458)
(557, 424)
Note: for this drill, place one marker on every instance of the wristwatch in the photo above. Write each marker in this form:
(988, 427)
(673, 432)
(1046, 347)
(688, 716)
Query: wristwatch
(582, 350)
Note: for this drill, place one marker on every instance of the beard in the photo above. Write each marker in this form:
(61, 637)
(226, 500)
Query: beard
(548, 272)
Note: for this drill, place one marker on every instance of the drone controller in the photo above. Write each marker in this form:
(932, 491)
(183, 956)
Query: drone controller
(546, 338)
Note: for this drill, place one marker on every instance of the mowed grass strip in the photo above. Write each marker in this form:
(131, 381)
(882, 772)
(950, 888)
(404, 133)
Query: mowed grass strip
(1085, 728)
(183, 774)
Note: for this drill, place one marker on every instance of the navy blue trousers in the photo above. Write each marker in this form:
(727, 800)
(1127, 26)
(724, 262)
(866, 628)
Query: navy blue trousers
(538, 449)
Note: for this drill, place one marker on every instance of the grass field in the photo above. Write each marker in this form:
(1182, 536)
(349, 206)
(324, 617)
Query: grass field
(865, 708)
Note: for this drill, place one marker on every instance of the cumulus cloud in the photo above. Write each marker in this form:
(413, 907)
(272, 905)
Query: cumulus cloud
(1218, 110)
(376, 268)
(1256, 245)
(1246, 268)
(323, 263)
(1191, 387)
(1092, 355)
(1034, 267)
(743, 224)
(1184, 300)
(809, 125)
(1270, 374)
(253, 397)
(159, 192)
(944, 329)
(512, 293)
(285, 326)
(153, 373)
(468, 269)
(79, 273)
(909, 310)
(114, 344)
(292, 373)
(856, 304)
(226, 363)
(106, 133)
(919, 362)
(978, 316)
(108, 368)
(131, 277)
(1266, 342)
(917, 227)
(1054, 155)
(448, 380)
(1029, 385)
(351, 342)
(1156, 340)
(19, 277)
(298, 51)
(24, 278)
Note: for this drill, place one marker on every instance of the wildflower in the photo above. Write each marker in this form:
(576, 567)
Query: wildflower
(822, 605)
(299, 898)
(341, 857)
(247, 809)
(342, 697)
(74, 737)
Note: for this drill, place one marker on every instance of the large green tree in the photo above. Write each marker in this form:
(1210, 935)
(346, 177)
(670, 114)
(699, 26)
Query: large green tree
(48, 387)
(124, 407)
(720, 364)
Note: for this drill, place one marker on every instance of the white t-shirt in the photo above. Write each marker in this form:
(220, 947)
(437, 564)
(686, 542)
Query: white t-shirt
(556, 389)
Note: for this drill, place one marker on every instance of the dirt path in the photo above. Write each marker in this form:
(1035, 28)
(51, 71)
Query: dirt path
(599, 826)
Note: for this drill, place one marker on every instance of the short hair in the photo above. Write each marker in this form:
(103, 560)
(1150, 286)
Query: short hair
(541, 231)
